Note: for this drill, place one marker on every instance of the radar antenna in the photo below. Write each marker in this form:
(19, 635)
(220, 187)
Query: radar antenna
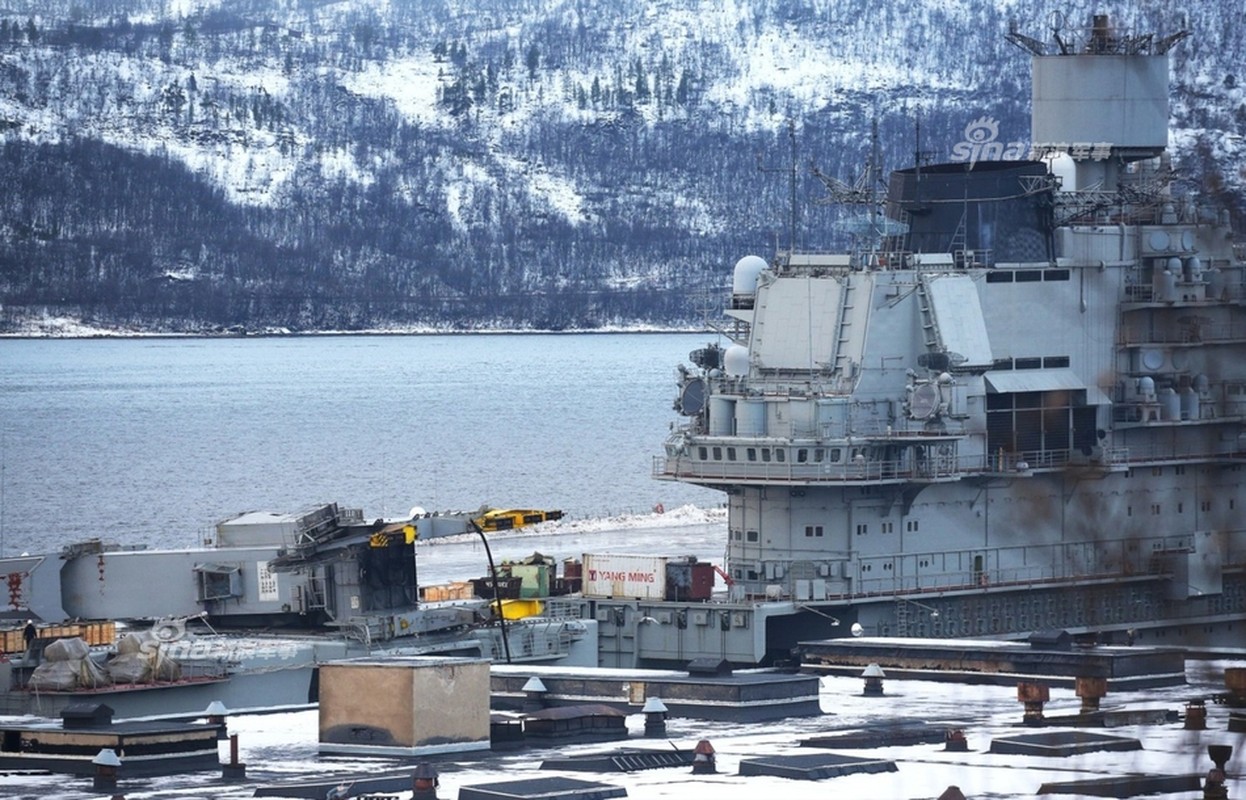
(869, 229)
(1025, 42)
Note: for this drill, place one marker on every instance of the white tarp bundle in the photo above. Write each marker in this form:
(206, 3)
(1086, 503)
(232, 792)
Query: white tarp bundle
(139, 660)
(67, 666)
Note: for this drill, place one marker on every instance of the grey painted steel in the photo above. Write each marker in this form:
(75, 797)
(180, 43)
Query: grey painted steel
(41, 581)
(1019, 436)
(1121, 100)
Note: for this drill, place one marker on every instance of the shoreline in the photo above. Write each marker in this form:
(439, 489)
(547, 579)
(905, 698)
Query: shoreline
(278, 334)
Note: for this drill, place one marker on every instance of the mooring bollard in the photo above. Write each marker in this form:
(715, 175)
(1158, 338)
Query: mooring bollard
(1091, 690)
(534, 694)
(873, 680)
(1214, 788)
(655, 718)
(424, 782)
(216, 713)
(703, 759)
(235, 770)
(107, 765)
(1196, 715)
(1033, 695)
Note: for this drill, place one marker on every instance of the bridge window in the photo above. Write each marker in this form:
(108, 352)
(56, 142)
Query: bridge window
(718, 454)
(752, 454)
(1030, 424)
(702, 453)
(780, 454)
(765, 454)
(731, 454)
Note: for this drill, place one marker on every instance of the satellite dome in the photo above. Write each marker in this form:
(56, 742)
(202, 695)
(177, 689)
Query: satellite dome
(744, 278)
(735, 361)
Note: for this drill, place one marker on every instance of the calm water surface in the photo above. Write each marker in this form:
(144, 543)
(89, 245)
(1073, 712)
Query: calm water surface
(152, 441)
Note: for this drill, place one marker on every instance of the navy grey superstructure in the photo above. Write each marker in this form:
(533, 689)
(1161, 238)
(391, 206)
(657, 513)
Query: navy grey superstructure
(1025, 412)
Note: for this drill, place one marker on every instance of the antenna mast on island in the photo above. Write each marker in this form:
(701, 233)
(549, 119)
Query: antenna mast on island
(791, 171)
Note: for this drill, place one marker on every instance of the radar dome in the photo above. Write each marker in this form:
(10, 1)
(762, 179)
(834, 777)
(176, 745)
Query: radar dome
(735, 361)
(747, 269)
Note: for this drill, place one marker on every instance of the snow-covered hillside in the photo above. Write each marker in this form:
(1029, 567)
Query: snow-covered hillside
(196, 163)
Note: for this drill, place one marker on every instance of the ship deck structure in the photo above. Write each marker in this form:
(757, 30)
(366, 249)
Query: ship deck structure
(1016, 408)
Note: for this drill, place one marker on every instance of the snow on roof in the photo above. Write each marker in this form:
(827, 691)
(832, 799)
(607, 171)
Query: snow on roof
(283, 746)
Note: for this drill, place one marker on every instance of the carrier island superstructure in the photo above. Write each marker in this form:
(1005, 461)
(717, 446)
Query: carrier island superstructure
(1020, 409)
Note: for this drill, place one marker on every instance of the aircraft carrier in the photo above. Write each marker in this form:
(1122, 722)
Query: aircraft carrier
(1016, 404)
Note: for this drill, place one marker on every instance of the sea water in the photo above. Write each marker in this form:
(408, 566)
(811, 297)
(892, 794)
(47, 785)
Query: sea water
(151, 441)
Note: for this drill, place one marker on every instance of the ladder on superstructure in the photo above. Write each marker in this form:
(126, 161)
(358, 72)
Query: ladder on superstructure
(930, 325)
(959, 241)
(843, 331)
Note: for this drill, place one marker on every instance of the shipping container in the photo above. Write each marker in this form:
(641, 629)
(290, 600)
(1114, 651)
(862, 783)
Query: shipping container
(534, 579)
(94, 634)
(624, 576)
(689, 579)
(459, 590)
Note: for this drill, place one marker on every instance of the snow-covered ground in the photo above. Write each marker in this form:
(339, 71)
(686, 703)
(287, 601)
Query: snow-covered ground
(282, 746)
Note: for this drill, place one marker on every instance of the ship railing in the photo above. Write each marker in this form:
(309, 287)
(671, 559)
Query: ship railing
(950, 581)
(939, 462)
(1159, 455)
(816, 261)
(850, 470)
(1189, 330)
(1145, 293)
(204, 670)
(1031, 564)
(976, 258)
(556, 608)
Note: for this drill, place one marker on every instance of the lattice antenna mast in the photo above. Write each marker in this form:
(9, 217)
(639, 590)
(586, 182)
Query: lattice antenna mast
(790, 169)
(869, 228)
